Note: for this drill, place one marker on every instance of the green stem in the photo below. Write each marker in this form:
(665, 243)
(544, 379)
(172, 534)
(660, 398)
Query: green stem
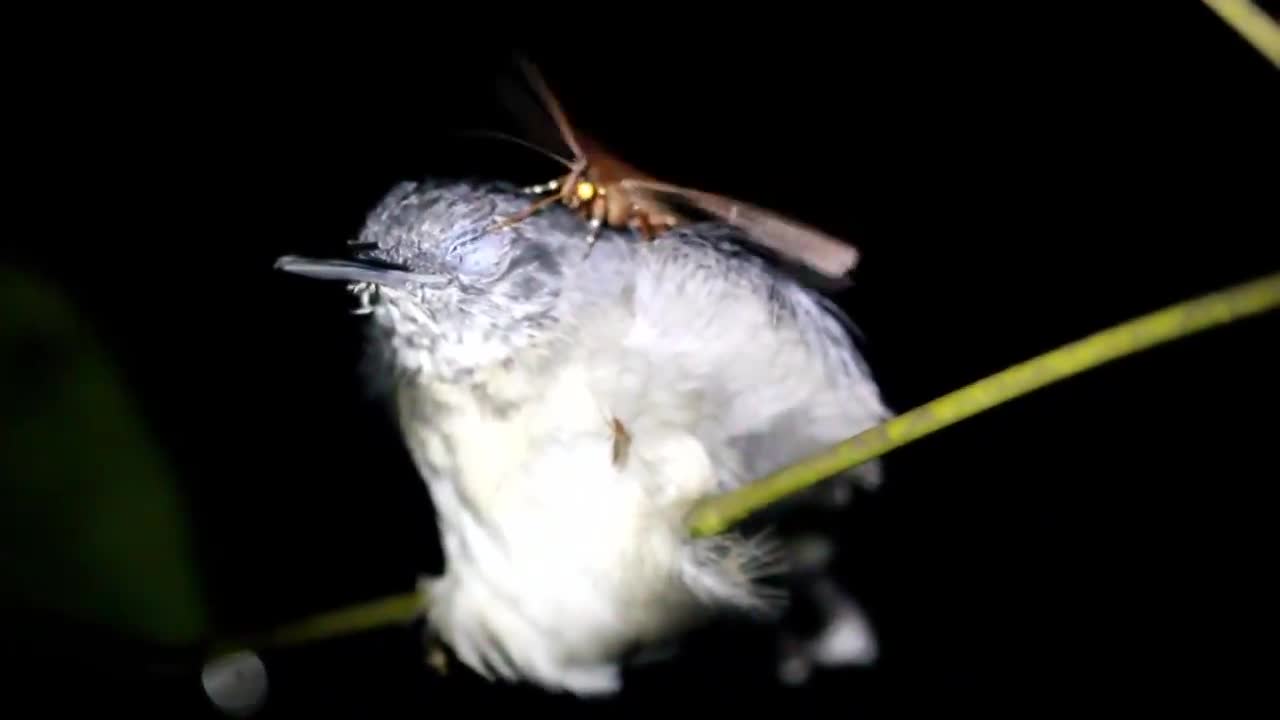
(398, 609)
(1252, 23)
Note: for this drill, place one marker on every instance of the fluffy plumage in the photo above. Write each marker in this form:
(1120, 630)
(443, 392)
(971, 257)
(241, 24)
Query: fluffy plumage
(508, 353)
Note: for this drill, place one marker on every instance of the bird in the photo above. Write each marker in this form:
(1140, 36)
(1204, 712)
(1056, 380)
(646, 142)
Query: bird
(566, 408)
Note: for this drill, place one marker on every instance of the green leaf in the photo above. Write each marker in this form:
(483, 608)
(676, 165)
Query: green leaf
(92, 524)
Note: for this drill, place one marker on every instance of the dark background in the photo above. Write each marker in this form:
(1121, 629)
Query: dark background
(1015, 180)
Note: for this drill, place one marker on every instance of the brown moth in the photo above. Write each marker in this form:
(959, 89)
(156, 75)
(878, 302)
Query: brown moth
(607, 190)
(621, 441)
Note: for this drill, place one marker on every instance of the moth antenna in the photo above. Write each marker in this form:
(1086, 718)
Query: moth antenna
(511, 138)
(552, 105)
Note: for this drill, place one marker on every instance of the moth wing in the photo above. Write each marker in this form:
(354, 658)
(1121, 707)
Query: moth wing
(818, 250)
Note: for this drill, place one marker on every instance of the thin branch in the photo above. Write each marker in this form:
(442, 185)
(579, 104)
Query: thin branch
(1252, 23)
(403, 608)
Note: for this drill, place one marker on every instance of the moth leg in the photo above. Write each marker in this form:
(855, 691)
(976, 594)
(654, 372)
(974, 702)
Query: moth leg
(640, 221)
(597, 211)
(527, 212)
(548, 186)
(663, 223)
(593, 232)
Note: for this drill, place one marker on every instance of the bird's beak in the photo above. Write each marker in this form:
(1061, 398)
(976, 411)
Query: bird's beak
(350, 271)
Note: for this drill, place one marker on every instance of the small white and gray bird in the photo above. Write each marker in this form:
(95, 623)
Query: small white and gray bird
(566, 405)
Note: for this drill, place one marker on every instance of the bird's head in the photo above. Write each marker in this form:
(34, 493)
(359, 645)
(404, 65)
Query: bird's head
(449, 291)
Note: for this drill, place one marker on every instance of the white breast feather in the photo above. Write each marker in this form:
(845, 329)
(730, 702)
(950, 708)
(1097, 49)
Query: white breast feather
(554, 554)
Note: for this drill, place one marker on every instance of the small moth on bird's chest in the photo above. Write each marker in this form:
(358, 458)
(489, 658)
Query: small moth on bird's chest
(621, 441)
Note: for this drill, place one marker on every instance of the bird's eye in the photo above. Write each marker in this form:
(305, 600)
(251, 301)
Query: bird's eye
(480, 256)
(586, 190)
